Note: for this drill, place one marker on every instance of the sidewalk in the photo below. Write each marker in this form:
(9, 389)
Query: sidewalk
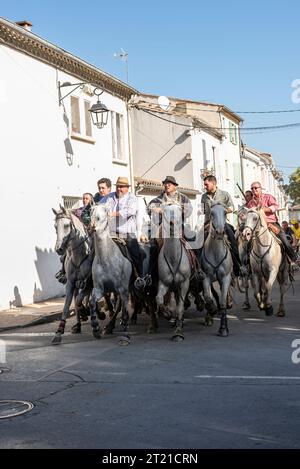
(32, 314)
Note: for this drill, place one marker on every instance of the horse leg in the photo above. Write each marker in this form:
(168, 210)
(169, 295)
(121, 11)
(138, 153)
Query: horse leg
(97, 293)
(76, 329)
(282, 278)
(160, 301)
(211, 309)
(257, 290)
(268, 289)
(180, 296)
(246, 304)
(153, 326)
(223, 329)
(61, 328)
(125, 339)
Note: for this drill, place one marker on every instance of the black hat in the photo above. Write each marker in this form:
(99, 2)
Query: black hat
(170, 179)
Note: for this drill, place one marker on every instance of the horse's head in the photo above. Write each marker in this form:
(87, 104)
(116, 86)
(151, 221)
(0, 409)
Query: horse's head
(63, 227)
(242, 215)
(217, 220)
(100, 217)
(172, 220)
(252, 223)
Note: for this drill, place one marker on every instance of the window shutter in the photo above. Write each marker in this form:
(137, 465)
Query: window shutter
(75, 115)
(88, 123)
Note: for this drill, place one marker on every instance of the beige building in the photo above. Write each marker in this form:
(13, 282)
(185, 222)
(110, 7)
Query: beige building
(185, 139)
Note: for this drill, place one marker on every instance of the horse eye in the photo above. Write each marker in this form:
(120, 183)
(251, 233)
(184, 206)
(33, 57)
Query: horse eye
(66, 225)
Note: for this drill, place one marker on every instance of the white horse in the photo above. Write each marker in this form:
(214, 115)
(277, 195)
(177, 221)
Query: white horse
(174, 268)
(216, 263)
(111, 272)
(266, 260)
(73, 241)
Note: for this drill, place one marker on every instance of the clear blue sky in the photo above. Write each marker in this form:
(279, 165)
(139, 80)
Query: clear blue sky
(241, 54)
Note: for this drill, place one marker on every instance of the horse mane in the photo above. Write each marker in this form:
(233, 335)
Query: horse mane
(78, 225)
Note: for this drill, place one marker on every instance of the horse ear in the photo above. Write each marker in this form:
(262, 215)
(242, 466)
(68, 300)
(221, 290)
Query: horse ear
(62, 208)
(55, 212)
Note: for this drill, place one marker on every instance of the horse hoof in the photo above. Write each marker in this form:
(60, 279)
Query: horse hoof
(151, 330)
(56, 339)
(281, 314)
(223, 333)
(208, 321)
(269, 311)
(76, 329)
(97, 333)
(178, 337)
(125, 340)
(246, 306)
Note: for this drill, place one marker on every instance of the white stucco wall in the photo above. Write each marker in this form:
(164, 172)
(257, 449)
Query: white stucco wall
(36, 173)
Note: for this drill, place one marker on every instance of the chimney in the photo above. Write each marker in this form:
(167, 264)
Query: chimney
(25, 24)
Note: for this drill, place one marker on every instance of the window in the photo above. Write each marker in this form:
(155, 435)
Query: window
(204, 153)
(233, 133)
(117, 129)
(81, 123)
(87, 115)
(75, 114)
(71, 201)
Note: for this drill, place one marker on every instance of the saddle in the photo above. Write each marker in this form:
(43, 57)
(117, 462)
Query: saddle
(194, 263)
(120, 242)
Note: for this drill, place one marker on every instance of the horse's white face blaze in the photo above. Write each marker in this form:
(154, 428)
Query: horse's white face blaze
(63, 229)
(99, 217)
(218, 219)
(172, 221)
(251, 223)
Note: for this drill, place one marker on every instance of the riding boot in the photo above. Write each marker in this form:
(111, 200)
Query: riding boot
(136, 256)
(234, 249)
(287, 246)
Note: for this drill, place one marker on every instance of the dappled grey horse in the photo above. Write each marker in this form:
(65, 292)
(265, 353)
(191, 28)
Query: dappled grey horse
(76, 243)
(266, 260)
(174, 268)
(216, 263)
(111, 272)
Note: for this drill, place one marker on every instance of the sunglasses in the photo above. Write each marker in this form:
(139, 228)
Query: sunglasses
(256, 187)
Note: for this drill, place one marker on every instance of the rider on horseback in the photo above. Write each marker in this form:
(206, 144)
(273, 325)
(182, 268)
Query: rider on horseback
(123, 212)
(170, 195)
(84, 215)
(269, 205)
(214, 194)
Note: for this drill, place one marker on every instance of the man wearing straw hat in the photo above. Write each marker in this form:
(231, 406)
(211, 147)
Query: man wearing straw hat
(123, 213)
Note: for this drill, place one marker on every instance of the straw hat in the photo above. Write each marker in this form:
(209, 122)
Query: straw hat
(122, 181)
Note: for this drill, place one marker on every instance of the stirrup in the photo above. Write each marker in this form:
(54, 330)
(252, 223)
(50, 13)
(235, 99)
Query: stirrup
(61, 278)
(139, 283)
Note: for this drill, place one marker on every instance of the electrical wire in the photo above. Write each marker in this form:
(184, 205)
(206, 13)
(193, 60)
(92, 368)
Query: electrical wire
(242, 129)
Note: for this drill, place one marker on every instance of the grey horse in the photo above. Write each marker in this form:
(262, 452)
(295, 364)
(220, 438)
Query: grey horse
(174, 268)
(267, 261)
(243, 248)
(216, 263)
(111, 271)
(76, 243)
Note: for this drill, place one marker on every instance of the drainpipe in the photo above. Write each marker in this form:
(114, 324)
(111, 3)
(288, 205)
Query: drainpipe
(131, 174)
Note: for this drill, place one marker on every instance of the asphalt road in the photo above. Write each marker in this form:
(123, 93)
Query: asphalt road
(242, 391)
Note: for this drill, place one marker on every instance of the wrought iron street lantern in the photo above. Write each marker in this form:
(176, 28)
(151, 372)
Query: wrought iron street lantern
(99, 111)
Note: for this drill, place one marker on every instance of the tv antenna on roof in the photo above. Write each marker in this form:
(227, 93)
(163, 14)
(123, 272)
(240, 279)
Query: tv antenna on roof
(123, 55)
